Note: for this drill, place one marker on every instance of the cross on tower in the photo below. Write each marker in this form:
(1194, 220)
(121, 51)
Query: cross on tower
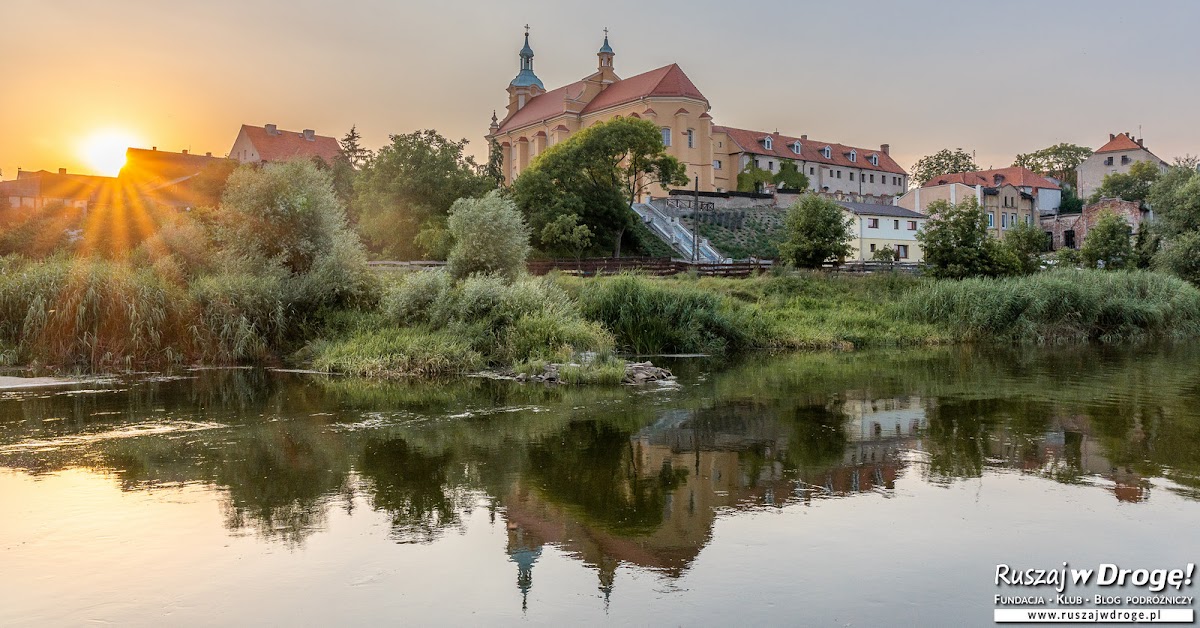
(526, 29)
(606, 31)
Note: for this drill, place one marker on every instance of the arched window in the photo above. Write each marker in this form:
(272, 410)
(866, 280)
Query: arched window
(666, 133)
(874, 160)
(796, 147)
(827, 152)
(767, 143)
(853, 155)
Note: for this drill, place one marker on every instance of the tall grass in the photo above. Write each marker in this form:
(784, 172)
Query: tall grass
(1062, 305)
(652, 316)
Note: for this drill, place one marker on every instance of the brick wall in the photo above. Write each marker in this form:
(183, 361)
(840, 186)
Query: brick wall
(1059, 225)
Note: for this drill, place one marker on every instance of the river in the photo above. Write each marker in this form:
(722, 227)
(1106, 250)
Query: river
(859, 489)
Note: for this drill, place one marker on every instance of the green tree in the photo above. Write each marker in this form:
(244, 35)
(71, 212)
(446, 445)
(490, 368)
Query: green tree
(753, 179)
(1108, 244)
(956, 244)
(790, 177)
(490, 236)
(566, 235)
(494, 169)
(1027, 242)
(1181, 257)
(1175, 197)
(817, 230)
(884, 253)
(1058, 161)
(944, 161)
(597, 174)
(1130, 186)
(356, 155)
(409, 186)
(1070, 203)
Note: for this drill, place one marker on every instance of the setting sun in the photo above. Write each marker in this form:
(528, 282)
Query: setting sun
(104, 151)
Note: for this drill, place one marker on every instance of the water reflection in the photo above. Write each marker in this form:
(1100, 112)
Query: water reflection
(623, 476)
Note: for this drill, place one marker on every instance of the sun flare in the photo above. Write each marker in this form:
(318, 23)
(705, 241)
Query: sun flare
(104, 151)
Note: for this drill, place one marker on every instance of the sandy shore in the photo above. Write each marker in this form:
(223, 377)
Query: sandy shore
(11, 383)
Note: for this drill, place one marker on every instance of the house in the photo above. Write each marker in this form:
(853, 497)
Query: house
(1005, 206)
(537, 119)
(877, 226)
(830, 167)
(1070, 230)
(269, 143)
(181, 180)
(1117, 156)
(39, 189)
(1046, 193)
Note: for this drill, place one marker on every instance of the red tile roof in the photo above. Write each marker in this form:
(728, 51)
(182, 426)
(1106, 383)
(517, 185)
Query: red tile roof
(1015, 175)
(810, 150)
(52, 185)
(286, 145)
(668, 81)
(161, 165)
(1121, 141)
(664, 82)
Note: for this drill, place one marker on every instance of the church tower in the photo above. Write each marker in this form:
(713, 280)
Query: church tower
(606, 54)
(526, 85)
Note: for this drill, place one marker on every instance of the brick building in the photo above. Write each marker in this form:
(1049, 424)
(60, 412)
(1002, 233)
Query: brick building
(1069, 230)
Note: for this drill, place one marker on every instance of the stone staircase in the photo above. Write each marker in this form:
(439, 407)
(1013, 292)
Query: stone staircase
(669, 229)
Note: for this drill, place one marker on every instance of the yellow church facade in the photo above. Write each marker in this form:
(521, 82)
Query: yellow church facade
(537, 119)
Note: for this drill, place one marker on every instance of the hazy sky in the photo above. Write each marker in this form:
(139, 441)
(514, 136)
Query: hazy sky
(994, 77)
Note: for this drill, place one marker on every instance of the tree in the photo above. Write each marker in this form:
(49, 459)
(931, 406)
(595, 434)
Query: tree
(944, 161)
(409, 186)
(597, 174)
(1070, 203)
(1058, 161)
(956, 244)
(494, 169)
(884, 253)
(1175, 197)
(1027, 242)
(817, 230)
(753, 179)
(352, 149)
(1108, 244)
(490, 236)
(567, 235)
(1130, 186)
(790, 177)
(1181, 257)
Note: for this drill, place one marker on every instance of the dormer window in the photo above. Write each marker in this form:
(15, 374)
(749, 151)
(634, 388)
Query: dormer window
(796, 147)
(853, 155)
(767, 143)
(874, 160)
(827, 152)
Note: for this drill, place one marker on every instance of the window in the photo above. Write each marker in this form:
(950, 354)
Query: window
(874, 160)
(912, 225)
(1124, 159)
(991, 220)
(771, 166)
(872, 223)
(902, 251)
(1012, 220)
(872, 248)
(812, 171)
(716, 164)
(691, 138)
(853, 155)
(896, 225)
(872, 178)
(1049, 240)
(1108, 161)
(1028, 219)
(839, 175)
(827, 152)
(1003, 220)
(796, 147)
(757, 164)
(1069, 238)
(851, 176)
(767, 143)
(666, 133)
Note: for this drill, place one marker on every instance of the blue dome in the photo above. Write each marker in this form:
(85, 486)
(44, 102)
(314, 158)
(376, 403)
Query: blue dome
(526, 78)
(606, 48)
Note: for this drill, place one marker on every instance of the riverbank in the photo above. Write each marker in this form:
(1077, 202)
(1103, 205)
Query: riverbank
(69, 315)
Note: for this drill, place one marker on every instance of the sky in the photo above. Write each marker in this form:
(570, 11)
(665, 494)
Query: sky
(996, 78)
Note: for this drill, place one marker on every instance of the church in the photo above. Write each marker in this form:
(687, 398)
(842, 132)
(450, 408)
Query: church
(537, 119)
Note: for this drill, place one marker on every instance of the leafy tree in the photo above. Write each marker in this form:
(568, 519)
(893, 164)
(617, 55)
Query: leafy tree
(1175, 197)
(944, 161)
(494, 169)
(790, 177)
(352, 149)
(490, 236)
(1071, 203)
(884, 253)
(597, 174)
(1130, 186)
(409, 186)
(1058, 161)
(1108, 243)
(1181, 256)
(1027, 243)
(753, 179)
(956, 244)
(567, 235)
(817, 230)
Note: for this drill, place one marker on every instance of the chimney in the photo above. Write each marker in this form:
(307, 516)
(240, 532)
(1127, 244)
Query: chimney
(62, 171)
(310, 134)
(804, 137)
(1140, 140)
(185, 151)
(1111, 137)
(886, 149)
(153, 148)
(271, 129)
(208, 154)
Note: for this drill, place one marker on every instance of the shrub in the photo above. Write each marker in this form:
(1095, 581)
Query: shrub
(1027, 242)
(1108, 244)
(415, 296)
(397, 352)
(956, 244)
(1181, 257)
(490, 236)
(817, 230)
